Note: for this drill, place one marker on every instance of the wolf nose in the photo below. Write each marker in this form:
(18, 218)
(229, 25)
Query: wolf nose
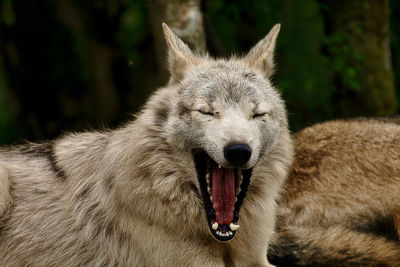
(237, 154)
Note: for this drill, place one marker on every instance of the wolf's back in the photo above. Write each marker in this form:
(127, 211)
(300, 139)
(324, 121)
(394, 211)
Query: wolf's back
(342, 197)
(333, 246)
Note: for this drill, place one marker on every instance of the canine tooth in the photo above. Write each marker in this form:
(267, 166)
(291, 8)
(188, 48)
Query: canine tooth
(234, 227)
(238, 190)
(211, 198)
(214, 226)
(209, 189)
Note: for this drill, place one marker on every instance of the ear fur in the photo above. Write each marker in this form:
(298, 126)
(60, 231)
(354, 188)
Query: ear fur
(261, 56)
(180, 57)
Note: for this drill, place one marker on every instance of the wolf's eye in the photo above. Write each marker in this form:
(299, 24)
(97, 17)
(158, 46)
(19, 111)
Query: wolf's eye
(209, 113)
(259, 115)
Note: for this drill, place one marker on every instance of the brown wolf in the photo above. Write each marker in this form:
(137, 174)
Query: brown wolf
(208, 153)
(342, 197)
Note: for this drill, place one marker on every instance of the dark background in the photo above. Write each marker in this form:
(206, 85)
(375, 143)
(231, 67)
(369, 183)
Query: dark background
(72, 65)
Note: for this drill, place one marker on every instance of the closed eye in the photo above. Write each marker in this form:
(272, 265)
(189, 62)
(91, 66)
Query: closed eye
(209, 113)
(259, 115)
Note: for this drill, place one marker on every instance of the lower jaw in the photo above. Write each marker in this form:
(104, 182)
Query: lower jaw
(224, 232)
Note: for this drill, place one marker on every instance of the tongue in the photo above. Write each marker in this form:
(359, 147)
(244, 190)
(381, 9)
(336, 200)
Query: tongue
(223, 194)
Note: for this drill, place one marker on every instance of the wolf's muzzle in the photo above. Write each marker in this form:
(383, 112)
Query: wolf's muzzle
(237, 154)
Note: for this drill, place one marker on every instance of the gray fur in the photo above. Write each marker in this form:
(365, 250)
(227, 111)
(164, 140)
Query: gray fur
(130, 196)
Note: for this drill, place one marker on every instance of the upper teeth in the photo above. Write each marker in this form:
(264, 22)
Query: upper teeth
(240, 175)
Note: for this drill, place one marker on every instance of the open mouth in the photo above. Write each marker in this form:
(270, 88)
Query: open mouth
(223, 191)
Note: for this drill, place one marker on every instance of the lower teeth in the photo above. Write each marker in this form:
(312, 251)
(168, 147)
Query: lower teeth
(229, 233)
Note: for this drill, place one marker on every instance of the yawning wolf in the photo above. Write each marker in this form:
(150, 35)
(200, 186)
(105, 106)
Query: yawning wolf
(208, 154)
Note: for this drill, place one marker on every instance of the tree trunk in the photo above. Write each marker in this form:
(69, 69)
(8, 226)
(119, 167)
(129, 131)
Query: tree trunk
(185, 19)
(358, 44)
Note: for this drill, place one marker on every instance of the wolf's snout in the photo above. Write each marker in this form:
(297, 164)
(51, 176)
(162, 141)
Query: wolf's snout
(237, 154)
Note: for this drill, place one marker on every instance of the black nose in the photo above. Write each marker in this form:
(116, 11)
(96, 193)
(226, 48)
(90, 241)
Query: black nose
(237, 154)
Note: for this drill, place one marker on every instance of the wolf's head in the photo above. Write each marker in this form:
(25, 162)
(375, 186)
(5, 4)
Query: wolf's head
(227, 115)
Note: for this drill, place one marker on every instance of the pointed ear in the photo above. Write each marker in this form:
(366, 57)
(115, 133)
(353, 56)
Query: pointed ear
(261, 56)
(180, 57)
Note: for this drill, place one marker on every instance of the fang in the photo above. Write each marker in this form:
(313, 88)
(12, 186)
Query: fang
(234, 227)
(238, 190)
(214, 226)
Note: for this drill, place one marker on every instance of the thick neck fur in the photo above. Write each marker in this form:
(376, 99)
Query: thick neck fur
(127, 184)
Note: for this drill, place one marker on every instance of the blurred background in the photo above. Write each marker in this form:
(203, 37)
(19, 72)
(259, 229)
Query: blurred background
(71, 65)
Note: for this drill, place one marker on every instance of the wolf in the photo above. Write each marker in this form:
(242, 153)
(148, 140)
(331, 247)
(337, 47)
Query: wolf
(341, 203)
(191, 181)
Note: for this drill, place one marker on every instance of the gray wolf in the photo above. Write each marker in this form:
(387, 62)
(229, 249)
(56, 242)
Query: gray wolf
(342, 200)
(208, 154)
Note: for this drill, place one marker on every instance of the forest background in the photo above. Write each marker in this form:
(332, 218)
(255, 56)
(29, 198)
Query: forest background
(72, 65)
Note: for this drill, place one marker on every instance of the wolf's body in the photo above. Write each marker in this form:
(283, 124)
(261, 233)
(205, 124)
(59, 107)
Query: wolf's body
(342, 197)
(134, 196)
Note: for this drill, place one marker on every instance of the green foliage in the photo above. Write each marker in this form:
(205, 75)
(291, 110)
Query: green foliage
(357, 43)
(7, 13)
(132, 32)
(344, 58)
(47, 53)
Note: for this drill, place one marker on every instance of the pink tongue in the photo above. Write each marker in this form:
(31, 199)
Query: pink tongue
(223, 194)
